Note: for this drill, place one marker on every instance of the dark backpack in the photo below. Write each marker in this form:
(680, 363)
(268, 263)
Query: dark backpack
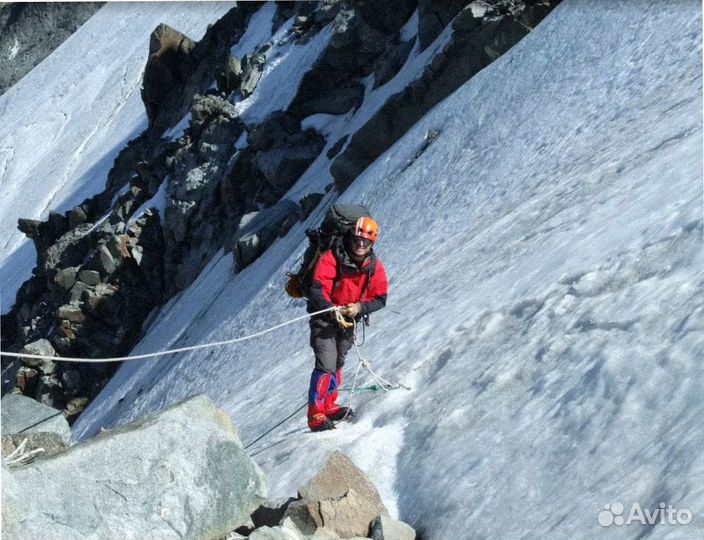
(337, 222)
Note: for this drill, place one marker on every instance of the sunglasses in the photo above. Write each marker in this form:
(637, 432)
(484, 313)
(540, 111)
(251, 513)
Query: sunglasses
(359, 240)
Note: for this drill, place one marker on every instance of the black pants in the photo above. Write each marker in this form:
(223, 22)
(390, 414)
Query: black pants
(330, 344)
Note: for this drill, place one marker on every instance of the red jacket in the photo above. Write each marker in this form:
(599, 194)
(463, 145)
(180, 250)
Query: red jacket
(337, 281)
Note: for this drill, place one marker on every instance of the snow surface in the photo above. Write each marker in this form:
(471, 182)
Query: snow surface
(546, 297)
(57, 147)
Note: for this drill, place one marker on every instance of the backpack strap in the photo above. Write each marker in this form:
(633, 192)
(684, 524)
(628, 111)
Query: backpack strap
(369, 270)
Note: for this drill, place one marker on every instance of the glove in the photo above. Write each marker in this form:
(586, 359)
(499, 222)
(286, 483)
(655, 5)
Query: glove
(352, 310)
(342, 322)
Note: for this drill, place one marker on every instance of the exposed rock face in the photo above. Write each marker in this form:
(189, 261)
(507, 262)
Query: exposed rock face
(178, 69)
(481, 33)
(179, 474)
(194, 224)
(29, 32)
(167, 70)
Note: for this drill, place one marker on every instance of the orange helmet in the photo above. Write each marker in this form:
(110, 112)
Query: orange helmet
(366, 227)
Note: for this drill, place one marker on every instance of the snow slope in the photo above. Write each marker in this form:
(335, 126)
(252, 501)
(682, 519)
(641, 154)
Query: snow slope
(545, 256)
(57, 147)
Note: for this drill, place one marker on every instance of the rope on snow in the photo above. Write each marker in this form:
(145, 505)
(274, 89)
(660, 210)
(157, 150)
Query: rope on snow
(170, 351)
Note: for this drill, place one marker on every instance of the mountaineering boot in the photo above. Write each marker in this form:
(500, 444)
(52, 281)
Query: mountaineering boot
(320, 422)
(342, 413)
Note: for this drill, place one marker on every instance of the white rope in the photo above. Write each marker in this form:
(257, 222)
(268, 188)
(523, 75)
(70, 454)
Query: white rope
(170, 351)
(20, 456)
(363, 363)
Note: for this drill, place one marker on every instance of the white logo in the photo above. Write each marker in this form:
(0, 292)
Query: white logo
(663, 514)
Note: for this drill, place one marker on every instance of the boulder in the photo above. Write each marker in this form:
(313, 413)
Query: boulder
(41, 347)
(339, 498)
(231, 76)
(258, 230)
(283, 166)
(71, 312)
(182, 473)
(252, 68)
(167, 70)
(386, 528)
(89, 277)
(66, 278)
(23, 414)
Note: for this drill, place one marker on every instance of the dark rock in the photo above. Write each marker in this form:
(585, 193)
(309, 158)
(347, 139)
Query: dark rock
(71, 312)
(76, 216)
(270, 513)
(257, 231)
(276, 131)
(27, 379)
(252, 68)
(388, 16)
(76, 292)
(89, 277)
(479, 37)
(66, 277)
(309, 203)
(281, 167)
(231, 76)
(208, 111)
(168, 68)
(75, 407)
(71, 381)
(393, 59)
(335, 148)
(433, 17)
(49, 392)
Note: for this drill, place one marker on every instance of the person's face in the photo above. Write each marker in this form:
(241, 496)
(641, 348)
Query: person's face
(360, 246)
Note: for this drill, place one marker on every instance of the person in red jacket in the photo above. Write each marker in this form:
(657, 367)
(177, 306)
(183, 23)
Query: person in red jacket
(349, 275)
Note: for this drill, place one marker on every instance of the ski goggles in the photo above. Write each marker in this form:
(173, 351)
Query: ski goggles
(363, 241)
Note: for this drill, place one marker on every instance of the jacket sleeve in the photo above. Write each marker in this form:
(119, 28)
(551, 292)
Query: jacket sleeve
(322, 283)
(377, 291)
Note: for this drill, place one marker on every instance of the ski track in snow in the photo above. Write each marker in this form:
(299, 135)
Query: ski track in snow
(544, 254)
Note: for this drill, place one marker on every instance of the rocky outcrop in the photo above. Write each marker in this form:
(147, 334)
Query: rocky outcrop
(339, 501)
(482, 32)
(181, 473)
(178, 69)
(361, 33)
(339, 498)
(29, 32)
(193, 218)
(168, 68)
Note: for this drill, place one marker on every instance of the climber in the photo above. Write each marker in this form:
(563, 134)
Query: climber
(349, 275)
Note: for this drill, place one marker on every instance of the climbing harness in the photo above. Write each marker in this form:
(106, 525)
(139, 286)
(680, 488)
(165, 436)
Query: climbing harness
(171, 351)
